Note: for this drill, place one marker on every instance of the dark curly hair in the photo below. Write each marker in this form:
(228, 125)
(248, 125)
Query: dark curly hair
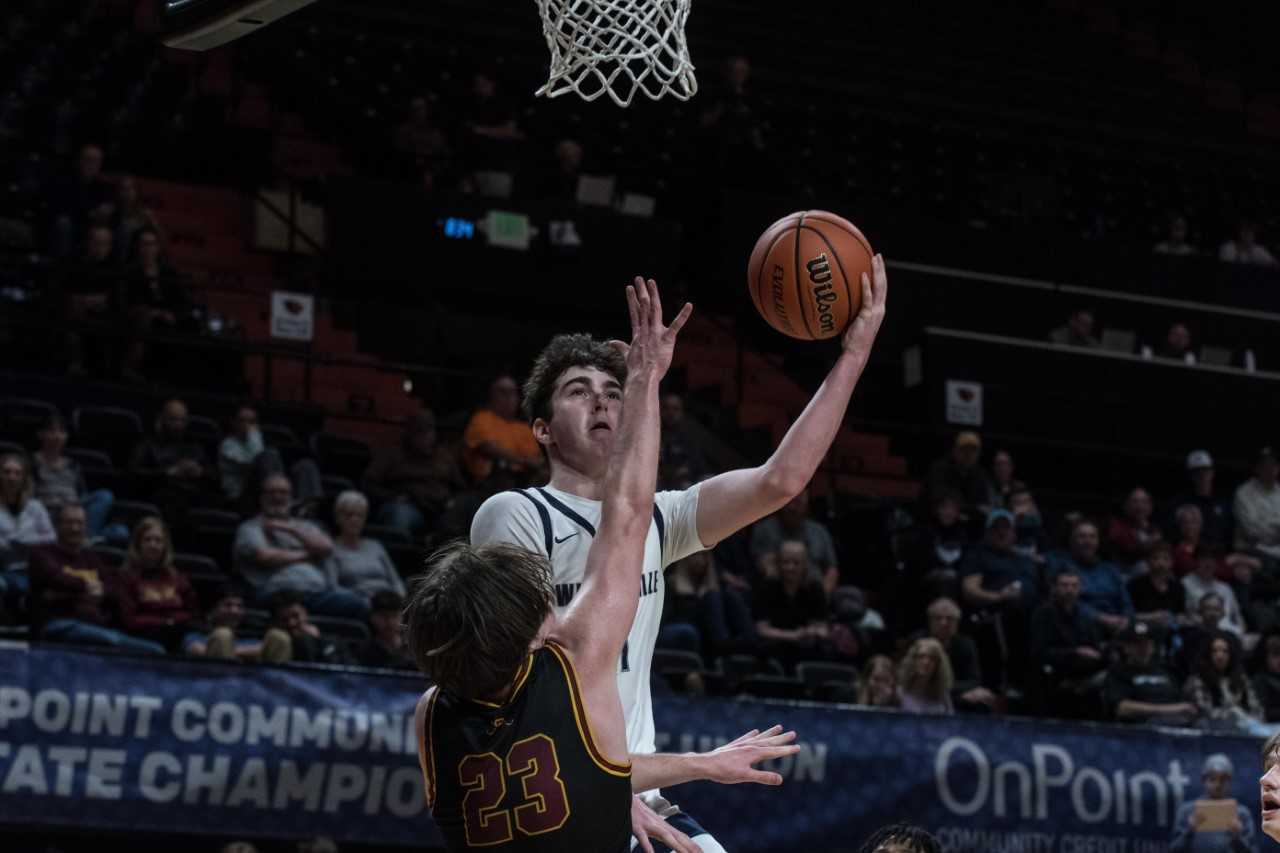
(915, 839)
(564, 352)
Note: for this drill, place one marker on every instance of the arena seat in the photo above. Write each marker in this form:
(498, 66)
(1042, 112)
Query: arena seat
(108, 428)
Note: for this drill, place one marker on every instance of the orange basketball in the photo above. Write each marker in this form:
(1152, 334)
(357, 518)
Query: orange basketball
(805, 274)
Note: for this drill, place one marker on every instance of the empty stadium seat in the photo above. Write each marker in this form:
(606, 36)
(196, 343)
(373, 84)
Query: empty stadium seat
(108, 428)
(130, 513)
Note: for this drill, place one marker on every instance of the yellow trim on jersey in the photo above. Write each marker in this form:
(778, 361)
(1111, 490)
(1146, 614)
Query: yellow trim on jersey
(522, 675)
(582, 720)
(429, 765)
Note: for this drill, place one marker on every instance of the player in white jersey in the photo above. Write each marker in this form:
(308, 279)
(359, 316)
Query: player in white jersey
(573, 397)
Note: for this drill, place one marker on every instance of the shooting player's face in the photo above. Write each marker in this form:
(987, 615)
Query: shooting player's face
(586, 407)
(1269, 786)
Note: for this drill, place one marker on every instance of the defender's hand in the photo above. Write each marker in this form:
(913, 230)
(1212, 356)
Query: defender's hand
(652, 343)
(733, 763)
(862, 332)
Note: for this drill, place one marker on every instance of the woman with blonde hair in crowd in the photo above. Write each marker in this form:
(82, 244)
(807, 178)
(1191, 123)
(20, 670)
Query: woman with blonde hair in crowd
(925, 679)
(24, 521)
(156, 601)
(878, 686)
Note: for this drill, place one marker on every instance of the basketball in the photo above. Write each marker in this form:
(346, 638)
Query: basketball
(805, 274)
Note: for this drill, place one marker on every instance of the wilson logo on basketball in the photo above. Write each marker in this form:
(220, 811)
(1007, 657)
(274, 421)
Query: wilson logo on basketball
(823, 295)
(779, 304)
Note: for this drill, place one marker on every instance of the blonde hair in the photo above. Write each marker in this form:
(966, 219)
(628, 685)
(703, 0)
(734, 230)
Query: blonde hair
(133, 562)
(938, 687)
(876, 664)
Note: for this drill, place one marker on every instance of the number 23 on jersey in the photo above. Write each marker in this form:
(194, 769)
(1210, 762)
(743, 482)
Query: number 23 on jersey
(543, 805)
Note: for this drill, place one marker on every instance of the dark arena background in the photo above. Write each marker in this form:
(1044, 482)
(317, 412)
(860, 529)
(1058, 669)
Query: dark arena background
(328, 244)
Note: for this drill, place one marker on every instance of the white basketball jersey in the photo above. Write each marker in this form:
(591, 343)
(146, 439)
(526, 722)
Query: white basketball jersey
(549, 521)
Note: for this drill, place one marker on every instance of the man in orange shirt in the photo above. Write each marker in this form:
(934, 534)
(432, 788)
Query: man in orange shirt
(497, 437)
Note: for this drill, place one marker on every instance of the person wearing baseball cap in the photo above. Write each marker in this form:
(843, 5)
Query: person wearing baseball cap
(1139, 689)
(960, 472)
(1236, 837)
(1257, 507)
(1215, 511)
(996, 576)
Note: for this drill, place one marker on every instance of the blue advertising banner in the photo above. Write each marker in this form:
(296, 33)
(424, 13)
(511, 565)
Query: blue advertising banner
(113, 742)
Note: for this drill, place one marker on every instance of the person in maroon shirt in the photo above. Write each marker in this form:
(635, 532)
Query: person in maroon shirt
(1132, 535)
(72, 592)
(155, 600)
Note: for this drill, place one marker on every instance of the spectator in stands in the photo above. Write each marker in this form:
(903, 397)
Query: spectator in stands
(1176, 242)
(129, 215)
(1267, 682)
(924, 679)
(238, 452)
(154, 599)
(385, 648)
(306, 642)
(83, 198)
(878, 685)
(92, 284)
(793, 522)
(959, 473)
(175, 462)
(1203, 581)
(559, 180)
(1188, 837)
(732, 123)
(791, 609)
(59, 480)
(680, 457)
(1218, 686)
(357, 563)
(421, 139)
(414, 482)
(1032, 540)
(931, 553)
(1235, 569)
(1065, 647)
(700, 614)
(967, 692)
(1139, 689)
(1244, 248)
(1215, 512)
(1003, 481)
(1158, 597)
(1132, 535)
(274, 552)
(1078, 331)
(856, 629)
(221, 634)
(994, 574)
(154, 297)
(1103, 595)
(1177, 344)
(24, 521)
(489, 120)
(498, 440)
(1257, 508)
(73, 593)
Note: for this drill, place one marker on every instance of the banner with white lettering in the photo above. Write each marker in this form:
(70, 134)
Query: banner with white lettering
(109, 741)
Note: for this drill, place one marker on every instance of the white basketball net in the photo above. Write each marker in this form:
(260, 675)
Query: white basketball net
(618, 48)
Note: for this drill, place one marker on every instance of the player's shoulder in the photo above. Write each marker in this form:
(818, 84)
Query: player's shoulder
(513, 502)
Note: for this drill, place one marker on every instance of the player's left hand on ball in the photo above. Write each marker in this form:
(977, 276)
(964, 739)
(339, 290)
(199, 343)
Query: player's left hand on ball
(733, 762)
(646, 824)
(864, 328)
(652, 343)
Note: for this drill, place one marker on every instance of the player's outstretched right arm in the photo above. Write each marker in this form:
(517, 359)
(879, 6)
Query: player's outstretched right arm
(597, 623)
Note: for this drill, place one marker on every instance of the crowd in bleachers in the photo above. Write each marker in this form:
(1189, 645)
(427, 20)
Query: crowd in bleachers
(237, 545)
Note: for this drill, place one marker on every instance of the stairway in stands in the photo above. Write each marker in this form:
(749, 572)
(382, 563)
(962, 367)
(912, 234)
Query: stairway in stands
(209, 231)
(859, 463)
